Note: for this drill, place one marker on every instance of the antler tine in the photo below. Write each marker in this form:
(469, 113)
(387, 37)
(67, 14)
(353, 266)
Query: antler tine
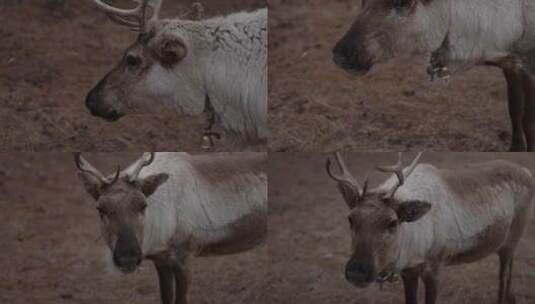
(120, 16)
(117, 174)
(118, 11)
(346, 176)
(121, 20)
(397, 169)
(140, 164)
(85, 167)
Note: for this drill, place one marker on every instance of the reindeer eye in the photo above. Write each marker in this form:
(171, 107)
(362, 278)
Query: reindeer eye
(402, 4)
(101, 211)
(132, 61)
(350, 222)
(392, 226)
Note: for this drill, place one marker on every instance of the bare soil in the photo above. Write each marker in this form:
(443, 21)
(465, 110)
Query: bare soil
(52, 52)
(315, 106)
(309, 237)
(51, 252)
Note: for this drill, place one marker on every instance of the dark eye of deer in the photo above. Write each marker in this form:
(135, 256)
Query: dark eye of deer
(392, 226)
(350, 222)
(101, 211)
(133, 61)
(402, 4)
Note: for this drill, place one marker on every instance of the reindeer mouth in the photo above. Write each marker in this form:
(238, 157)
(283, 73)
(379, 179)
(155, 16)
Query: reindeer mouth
(387, 275)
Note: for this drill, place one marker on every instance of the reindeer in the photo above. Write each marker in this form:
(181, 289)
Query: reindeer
(497, 33)
(216, 65)
(435, 218)
(168, 207)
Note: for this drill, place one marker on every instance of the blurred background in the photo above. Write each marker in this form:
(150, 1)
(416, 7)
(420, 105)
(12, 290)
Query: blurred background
(52, 53)
(51, 250)
(309, 237)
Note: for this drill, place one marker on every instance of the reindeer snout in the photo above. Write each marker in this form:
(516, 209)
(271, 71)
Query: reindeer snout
(359, 274)
(127, 254)
(99, 108)
(347, 56)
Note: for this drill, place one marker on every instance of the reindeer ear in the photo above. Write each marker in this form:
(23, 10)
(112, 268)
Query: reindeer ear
(149, 184)
(412, 210)
(349, 193)
(92, 185)
(170, 51)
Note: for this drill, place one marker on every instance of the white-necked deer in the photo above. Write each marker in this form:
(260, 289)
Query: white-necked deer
(167, 207)
(465, 32)
(216, 65)
(423, 218)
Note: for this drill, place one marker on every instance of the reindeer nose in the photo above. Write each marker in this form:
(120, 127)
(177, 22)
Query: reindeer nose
(340, 56)
(127, 253)
(348, 56)
(359, 273)
(91, 101)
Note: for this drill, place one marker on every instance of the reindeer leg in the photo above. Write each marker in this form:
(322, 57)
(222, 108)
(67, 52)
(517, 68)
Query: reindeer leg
(181, 272)
(515, 94)
(166, 280)
(431, 285)
(410, 284)
(505, 295)
(529, 108)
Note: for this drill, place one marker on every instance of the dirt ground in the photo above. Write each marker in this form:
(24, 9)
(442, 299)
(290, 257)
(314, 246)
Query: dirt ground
(52, 52)
(315, 106)
(309, 237)
(50, 250)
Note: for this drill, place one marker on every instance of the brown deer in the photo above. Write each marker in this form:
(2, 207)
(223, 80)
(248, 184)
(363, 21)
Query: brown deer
(423, 218)
(168, 207)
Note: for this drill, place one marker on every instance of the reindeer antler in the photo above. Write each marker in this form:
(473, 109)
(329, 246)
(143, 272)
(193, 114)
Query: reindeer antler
(140, 164)
(85, 167)
(346, 177)
(397, 169)
(134, 18)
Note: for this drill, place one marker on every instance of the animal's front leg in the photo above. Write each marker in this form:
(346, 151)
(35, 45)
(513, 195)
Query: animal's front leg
(410, 284)
(166, 280)
(515, 94)
(431, 285)
(505, 295)
(529, 108)
(182, 276)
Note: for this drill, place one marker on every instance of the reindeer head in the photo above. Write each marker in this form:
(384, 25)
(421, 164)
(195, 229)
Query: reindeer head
(121, 203)
(160, 70)
(385, 29)
(375, 218)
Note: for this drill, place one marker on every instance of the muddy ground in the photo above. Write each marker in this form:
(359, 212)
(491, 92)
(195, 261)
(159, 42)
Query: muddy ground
(314, 106)
(52, 52)
(51, 253)
(309, 237)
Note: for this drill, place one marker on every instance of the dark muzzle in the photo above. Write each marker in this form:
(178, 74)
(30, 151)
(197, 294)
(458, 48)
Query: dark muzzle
(97, 107)
(348, 56)
(127, 254)
(360, 274)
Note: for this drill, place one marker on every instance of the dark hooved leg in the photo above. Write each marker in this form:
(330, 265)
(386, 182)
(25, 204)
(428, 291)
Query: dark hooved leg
(410, 284)
(505, 294)
(430, 278)
(515, 93)
(529, 111)
(166, 280)
(182, 275)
